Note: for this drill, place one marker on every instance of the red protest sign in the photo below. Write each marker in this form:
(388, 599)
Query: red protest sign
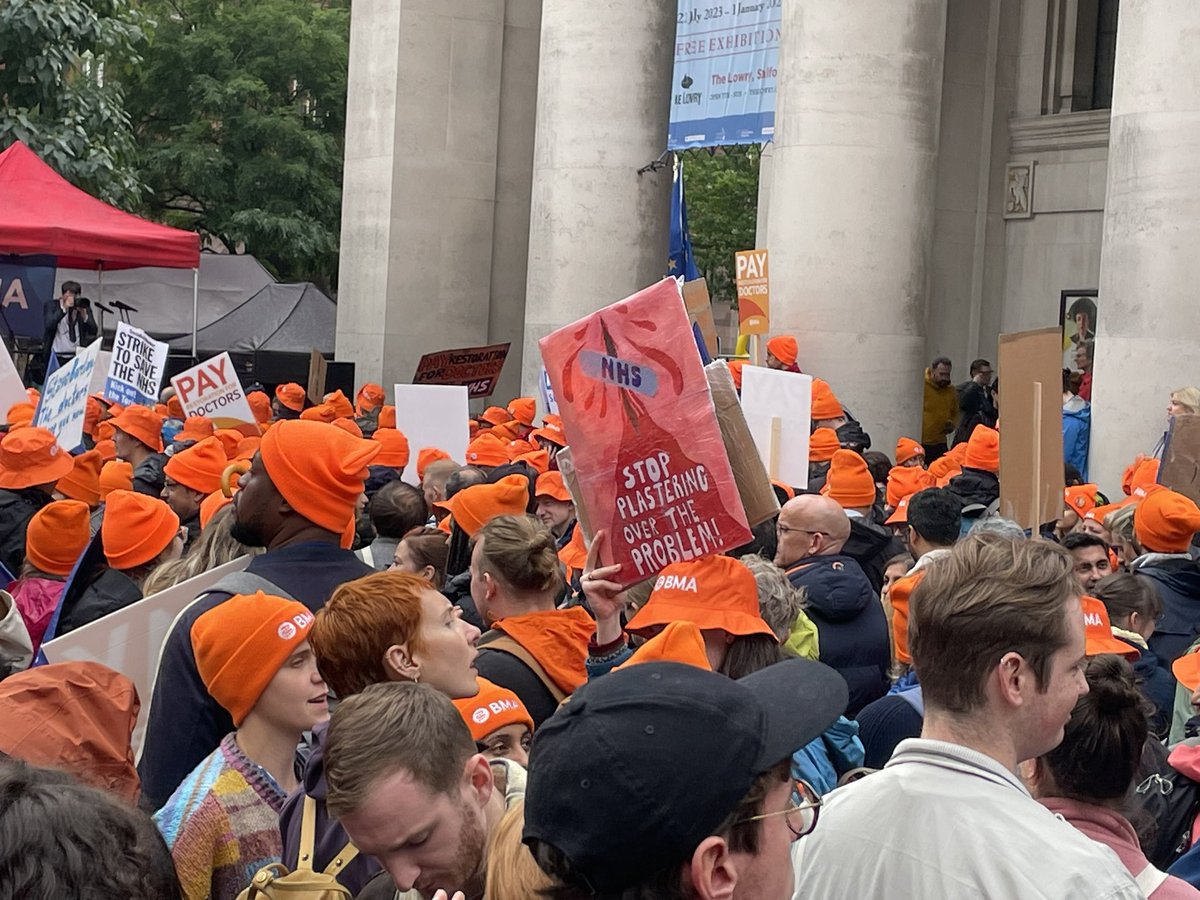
(476, 367)
(632, 401)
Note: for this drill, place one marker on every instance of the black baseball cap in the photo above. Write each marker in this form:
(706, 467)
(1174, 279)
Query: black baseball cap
(642, 764)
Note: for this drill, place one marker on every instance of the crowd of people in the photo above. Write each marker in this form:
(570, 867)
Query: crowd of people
(439, 689)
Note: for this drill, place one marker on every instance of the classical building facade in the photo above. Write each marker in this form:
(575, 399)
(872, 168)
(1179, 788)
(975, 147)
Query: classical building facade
(941, 171)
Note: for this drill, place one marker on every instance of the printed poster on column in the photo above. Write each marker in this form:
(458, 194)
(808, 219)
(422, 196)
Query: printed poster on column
(752, 275)
(648, 451)
(64, 398)
(726, 64)
(137, 367)
(212, 389)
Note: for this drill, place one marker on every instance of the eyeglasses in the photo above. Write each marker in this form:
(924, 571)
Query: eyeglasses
(784, 529)
(804, 806)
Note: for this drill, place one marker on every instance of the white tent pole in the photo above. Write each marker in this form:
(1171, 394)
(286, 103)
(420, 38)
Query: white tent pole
(195, 307)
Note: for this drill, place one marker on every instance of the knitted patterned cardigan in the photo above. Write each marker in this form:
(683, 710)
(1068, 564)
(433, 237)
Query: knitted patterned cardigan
(222, 824)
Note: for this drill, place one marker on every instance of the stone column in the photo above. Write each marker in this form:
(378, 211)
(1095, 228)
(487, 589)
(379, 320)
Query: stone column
(598, 230)
(1148, 316)
(852, 206)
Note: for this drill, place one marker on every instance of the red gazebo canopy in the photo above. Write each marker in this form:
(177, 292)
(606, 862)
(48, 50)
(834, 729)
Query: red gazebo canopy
(42, 213)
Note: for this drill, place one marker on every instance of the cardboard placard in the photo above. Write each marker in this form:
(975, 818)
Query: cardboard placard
(12, 388)
(317, 368)
(130, 640)
(646, 445)
(753, 483)
(212, 389)
(136, 369)
(477, 368)
(432, 415)
(1180, 470)
(546, 392)
(699, 307)
(778, 409)
(752, 275)
(1031, 447)
(64, 398)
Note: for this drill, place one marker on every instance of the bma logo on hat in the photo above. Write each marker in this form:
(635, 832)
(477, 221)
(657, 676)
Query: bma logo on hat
(1092, 619)
(480, 715)
(677, 583)
(286, 631)
(293, 626)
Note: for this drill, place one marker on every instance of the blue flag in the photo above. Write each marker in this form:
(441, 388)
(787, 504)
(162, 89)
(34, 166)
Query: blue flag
(681, 260)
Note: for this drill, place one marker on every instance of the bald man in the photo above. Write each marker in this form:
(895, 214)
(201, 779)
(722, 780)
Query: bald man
(851, 626)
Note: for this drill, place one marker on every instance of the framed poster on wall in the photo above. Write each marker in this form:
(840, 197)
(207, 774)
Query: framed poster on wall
(1077, 311)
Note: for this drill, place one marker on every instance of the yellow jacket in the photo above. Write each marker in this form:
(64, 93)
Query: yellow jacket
(941, 411)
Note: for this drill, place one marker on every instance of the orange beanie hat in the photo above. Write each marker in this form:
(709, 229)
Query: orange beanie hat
(551, 432)
(983, 449)
(115, 475)
(83, 481)
(906, 449)
(195, 428)
(260, 405)
(175, 407)
(427, 455)
(58, 534)
(31, 456)
(850, 482)
(904, 481)
(679, 642)
(538, 460)
(495, 415)
(322, 412)
(291, 395)
(824, 404)
(493, 708)
(199, 467)
(475, 506)
(1140, 474)
(247, 447)
(347, 425)
(136, 528)
(784, 348)
(487, 450)
(142, 425)
(341, 405)
(107, 450)
(395, 451)
(1165, 522)
(958, 453)
(240, 644)
(92, 413)
(943, 469)
(211, 505)
(1081, 498)
(523, 409)
(712, 592)
(229, 439)
(20, 415)
(319, 470)
(822, 444)
(387, 417)
(735, 369)
(370, 396)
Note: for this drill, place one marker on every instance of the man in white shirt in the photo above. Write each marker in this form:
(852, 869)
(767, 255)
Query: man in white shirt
(997, 640)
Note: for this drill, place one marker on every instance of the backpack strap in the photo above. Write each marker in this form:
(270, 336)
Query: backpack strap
(308, 831)
(247, 583)
(506, 644)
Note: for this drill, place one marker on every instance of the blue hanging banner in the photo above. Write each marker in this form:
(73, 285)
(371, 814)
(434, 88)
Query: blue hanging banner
(26, 285)
(726, 63)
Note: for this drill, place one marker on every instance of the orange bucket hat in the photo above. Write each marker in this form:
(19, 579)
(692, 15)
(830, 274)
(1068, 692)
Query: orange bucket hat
(551, 484)
(495, 415)
(370, 396)
(518, 447)
(347, 425)
(983, 450)
(319, 470)
(195, 428)
(199, 467)
(906, 449)
(1165, 522)
(426, 456)
(551, 432)
(493, 708)
(260, 406)
(1097, 631)
(487, 450)
(394, 444)
(822, 444)
(175, 407)
(115, 475)
(475, 506)
(20, 415)
(523, 409)
(211, 505)
(58, 534)
(1081, 498)
(824, 404)
(31, 456)
(538, 460)
(136, 528)
(1187, 670)
(712, 592)
(679, 642)
(241, 644)
(849, 480)
(83, 481)
(904, 481)
(784, 348)
(142, 425)
(104, 432)
(291, 395)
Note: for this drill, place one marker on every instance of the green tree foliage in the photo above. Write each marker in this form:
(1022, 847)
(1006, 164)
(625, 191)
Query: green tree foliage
(58, 93)
(239, 109)
(721, 188)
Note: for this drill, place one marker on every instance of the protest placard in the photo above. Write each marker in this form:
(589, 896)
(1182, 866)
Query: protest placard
(1031, 447)
(778, 408)
(752, 274)
(753, 483)
(318, 368)
(632, 402)
(546, 392)
(64, 398)
(12, 388)
(137, 367)
(699, 307)
(476, 367)
(1180, 469)
(432, 415)
(130, 640)
(212, 389)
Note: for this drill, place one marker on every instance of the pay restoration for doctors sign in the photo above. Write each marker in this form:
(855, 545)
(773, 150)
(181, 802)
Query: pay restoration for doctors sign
(212, 389)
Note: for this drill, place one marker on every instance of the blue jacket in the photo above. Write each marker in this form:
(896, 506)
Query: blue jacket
(851, 626)
(1177, 581)
(828, 757)
(1077, 433)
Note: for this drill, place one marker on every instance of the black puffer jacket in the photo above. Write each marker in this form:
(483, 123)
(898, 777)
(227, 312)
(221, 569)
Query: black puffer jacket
(871, 546)
(109, 591)
(16, 509)
(149, 476)
(976, 486)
